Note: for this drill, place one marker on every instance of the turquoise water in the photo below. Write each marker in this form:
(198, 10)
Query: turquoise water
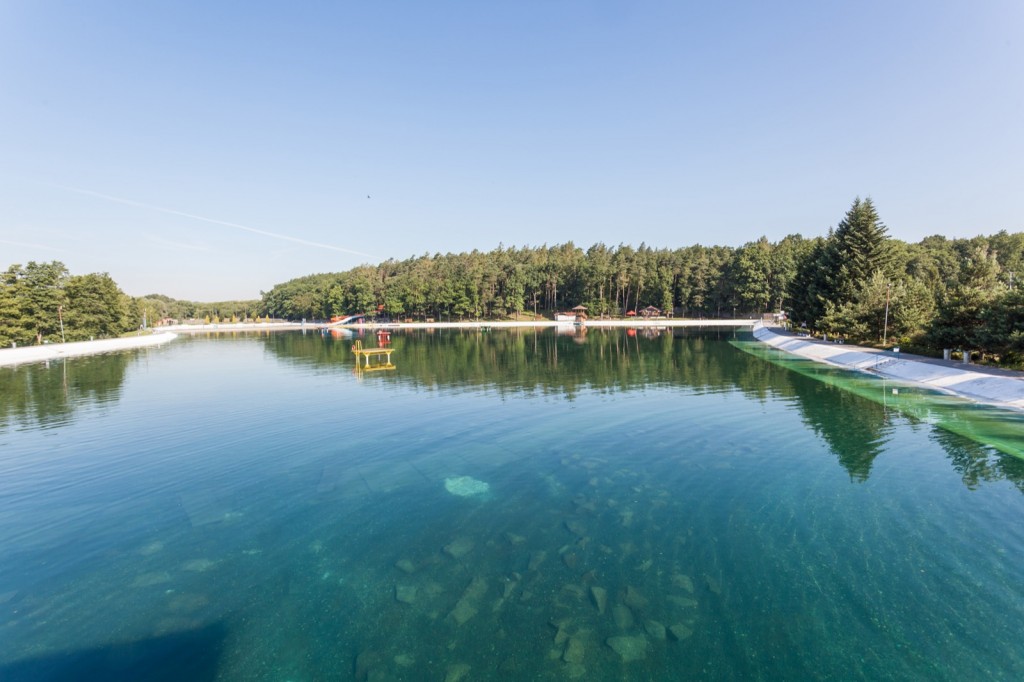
(663, 507)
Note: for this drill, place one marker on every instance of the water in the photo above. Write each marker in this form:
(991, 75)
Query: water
(671, 507)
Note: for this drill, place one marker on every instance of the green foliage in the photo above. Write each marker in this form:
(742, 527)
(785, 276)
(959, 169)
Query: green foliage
(96, 308)
(32, 301)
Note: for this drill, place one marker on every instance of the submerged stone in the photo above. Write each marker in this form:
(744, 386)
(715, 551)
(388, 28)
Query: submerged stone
(683, 581)
(466, 486)
(633, 599)
(630, 648)
(574, 651)
(575, 671)
(458, 548)
(623, 617)
(198, 565)
(576, 528)
(150, 579)
(680, 632)
(405, 593)
(463, 611)
(684, 602)
(713, 583)
(654, 629)
(405, 566)
(600, 597)
(456, 672)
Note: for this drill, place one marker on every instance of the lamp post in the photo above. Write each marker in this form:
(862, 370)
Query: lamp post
(885, 325)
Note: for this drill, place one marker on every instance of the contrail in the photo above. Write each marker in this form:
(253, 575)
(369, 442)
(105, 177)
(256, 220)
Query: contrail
(171, 211)
(31, 246)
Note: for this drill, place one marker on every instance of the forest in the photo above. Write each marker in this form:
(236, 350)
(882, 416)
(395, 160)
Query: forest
(44, 302)
(856, 282)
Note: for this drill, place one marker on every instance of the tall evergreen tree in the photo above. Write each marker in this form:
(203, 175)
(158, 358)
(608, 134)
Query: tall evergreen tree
(856, 250)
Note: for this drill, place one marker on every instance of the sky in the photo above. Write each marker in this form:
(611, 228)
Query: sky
(210, 150)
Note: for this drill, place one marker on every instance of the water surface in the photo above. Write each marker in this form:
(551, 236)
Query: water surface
(658, 507)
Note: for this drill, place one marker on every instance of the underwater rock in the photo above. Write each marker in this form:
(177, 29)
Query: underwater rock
(477, 588)
(575, 671)
(405, 566)
(405, 593)
(713, 583)
(514, 539)
(683, 581)
(404, 660)
(600, 598)
(576, 528)
(680, 632)
(684, 602)
(536, 559)
(561, 634)
(152, 548)
(364, 664)
(456, 672)
(574, 651)
(574, 591)
(570, 560)
(654, 629)
(633, 599)
(466, 486)
(150, 579)
(198, 565)
(466, 607)
(623, 617)
(630, 648)
(463, 611)
(188, 602)
(458, 548)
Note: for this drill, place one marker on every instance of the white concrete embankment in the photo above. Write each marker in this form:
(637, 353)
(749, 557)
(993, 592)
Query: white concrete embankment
(53, 351)
(1001, 390)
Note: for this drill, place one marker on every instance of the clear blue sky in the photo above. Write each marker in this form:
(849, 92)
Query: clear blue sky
(209, 150)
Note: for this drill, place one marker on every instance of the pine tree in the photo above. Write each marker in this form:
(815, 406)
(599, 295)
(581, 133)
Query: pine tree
(857, 249)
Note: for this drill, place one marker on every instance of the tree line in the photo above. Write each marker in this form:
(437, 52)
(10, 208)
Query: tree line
(856, 282)
(44, 302)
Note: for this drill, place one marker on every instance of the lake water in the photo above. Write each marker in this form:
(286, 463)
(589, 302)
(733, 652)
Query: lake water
(511, 505)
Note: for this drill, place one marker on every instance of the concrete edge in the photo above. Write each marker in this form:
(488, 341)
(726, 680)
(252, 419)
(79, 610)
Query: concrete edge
(54, 351)
(998, 391)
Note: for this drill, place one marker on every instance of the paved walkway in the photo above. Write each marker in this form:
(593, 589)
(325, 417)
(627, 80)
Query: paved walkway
(54, 351)
(990, 385)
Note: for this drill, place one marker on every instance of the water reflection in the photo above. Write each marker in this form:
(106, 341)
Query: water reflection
(977, 463)
(853, 415)
(48, 394)
(853, 412)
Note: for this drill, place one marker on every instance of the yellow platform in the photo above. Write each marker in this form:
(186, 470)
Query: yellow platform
(368, 353)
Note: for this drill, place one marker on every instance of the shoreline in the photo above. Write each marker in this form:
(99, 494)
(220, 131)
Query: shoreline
(994, 387)
(471, 324)
(55, 351)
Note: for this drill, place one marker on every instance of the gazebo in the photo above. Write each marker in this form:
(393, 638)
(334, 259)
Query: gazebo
(581, 311)
(651, 311)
